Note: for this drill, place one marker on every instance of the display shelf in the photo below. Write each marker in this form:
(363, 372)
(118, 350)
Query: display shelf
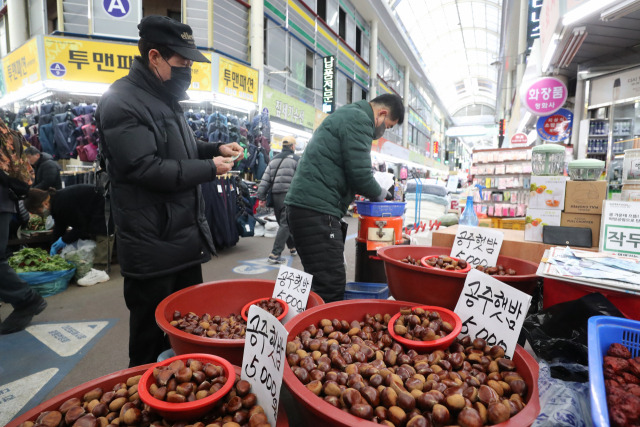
(502, 174)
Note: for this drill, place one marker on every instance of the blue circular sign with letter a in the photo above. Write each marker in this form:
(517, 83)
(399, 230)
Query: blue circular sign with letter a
(58, 69)
(117, 8)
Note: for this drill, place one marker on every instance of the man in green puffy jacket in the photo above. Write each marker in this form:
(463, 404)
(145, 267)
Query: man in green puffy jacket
(335, 166)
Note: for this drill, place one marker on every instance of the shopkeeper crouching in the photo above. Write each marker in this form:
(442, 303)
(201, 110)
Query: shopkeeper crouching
(80, 207)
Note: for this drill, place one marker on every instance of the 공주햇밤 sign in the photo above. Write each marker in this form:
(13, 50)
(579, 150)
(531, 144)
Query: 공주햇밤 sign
(264, 358)
(556, 127)
(238, 80)
(293, 287)
(477, 245)
(492, 310)
(620, 229)
(544, 96)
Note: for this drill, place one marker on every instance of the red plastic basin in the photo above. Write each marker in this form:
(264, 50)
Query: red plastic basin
(317, 412)
(106, 383)
(440, 343)
(216, 298)
(442, 288)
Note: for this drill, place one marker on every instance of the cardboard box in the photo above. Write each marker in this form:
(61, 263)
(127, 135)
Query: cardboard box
(547, 192)
(584, 221)
(585, 197)
(534, 221)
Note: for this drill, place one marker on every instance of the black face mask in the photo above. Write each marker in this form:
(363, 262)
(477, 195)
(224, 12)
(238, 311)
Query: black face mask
(379, 130)
(179, 82)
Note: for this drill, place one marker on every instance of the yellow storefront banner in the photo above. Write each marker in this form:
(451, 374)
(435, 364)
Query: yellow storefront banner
(101, 62)
(238, 80)
(21, 67)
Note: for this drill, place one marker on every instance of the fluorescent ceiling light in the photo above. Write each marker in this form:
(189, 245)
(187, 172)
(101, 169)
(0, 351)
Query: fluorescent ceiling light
(551, 51)
(619, 10)
(578, 35)
(524, 121)
(584, 10)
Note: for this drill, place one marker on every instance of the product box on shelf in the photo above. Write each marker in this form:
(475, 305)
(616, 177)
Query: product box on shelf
(585, 197)
(585, 221)
(547, 192)
(536, 219)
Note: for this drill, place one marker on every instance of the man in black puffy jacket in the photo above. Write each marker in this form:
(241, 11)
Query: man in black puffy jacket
(277, 178)
(156, 166)
(47, 170)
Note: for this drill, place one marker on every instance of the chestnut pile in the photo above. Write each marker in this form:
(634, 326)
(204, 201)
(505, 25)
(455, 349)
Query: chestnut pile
(121, 406)
(418, 324)
(357, 367)
(271, 305)
(232, 327)
(498, 270)
(622, 382)
(411, 260)
(179, 383)
(447, 263)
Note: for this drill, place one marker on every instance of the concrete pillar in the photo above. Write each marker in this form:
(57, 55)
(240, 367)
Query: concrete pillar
(256, 35)
(405, 102)
(18, 23)
(373, 60)
(522, 40)
(579, 113)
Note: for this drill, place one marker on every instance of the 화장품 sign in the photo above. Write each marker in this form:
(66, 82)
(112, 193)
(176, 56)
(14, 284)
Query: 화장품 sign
(544, 96)
(620, 229)
(293, 287)
(477, 245)
(492, 310)
(264, 358)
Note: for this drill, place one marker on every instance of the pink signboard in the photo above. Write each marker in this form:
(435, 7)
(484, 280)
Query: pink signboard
(519, 139)
(544, 96)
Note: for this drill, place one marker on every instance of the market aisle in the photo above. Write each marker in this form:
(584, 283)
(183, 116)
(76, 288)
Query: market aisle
(97, 318)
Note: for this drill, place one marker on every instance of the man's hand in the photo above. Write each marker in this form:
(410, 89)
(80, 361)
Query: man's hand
(380, 197)
(223, 164)
(262, 203)
(233, 149)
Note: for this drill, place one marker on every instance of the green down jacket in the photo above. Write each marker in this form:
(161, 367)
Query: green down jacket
(336, 163)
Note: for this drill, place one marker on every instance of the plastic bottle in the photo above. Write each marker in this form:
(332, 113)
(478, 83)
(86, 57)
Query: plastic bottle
(469, 216)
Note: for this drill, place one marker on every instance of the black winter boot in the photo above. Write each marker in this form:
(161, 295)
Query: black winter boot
(21, 316)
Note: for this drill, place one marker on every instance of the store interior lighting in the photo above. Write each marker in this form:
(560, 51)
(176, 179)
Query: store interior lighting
(585, 10)
(578, 35)
(619, 10)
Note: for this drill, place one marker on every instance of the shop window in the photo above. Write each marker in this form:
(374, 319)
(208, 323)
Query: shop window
(342, 23)
(309, 70)
(364, 94)
(175, 14)
(170, 8)
(349, 91)
(52, 16)
(322, 9)
(358, 40)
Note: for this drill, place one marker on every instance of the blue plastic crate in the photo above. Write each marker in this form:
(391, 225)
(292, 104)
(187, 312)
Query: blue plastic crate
(380, 208)
(604, 331)
(364, 290)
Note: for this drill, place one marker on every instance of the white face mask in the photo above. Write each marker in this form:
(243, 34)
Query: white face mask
(380, 130)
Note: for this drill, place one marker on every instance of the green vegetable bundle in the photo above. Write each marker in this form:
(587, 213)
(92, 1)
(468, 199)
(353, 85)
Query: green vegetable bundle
(36, 259)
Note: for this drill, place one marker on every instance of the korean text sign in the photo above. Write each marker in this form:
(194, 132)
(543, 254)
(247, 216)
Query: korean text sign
(544, 96)
(492, 310)
(238, 80)
(477, 245)
(22, 66)
(288, 108)
(620, 229)
(556, 127)
(293, 287)
(328, 84)
(264, 358)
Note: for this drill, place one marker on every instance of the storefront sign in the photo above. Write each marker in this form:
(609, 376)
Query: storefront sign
(264, 358)
(435, 149)
(238, 80)
(477, 246)
(328, 84)
(492, 310)
(556, 127)
(519, 139)
(118, 18)
(620, 230)
(544, 96)
(533, 24)
(293, 287)
(549, 19)
(288, 108)
(602, 88)
(101, 62)
(22, 66)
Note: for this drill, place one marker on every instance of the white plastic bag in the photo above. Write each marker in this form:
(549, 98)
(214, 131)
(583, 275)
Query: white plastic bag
(81, 254)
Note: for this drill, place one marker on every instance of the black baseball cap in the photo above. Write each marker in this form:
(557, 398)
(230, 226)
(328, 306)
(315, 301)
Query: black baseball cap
(171, 33)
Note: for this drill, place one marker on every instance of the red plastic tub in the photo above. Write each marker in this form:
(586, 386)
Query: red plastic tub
(317, 412)
(222, 298)
(558, 291)
(424, 260)
(106, 383)
(440, 343)
(439, 287)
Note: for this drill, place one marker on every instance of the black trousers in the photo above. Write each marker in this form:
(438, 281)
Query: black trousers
(146, 339)
(320, 241)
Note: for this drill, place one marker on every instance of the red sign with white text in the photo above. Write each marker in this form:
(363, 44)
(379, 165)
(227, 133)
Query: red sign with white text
(519, 139)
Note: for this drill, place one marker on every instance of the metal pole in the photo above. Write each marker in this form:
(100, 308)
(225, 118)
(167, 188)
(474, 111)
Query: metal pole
(373, 60)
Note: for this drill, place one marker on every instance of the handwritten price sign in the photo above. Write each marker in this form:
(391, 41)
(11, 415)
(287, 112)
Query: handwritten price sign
(293, 287)
(264, 358)
(492, 310)
(477, 245)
